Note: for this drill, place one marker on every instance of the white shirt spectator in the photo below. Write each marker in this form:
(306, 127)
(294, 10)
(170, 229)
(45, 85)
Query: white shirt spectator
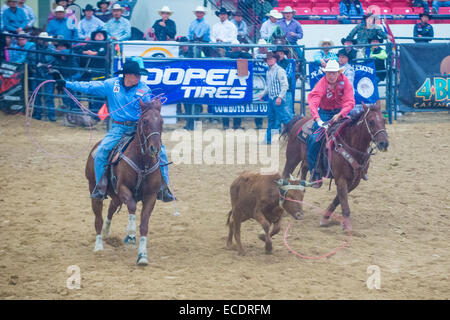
(267, 29)
(224, 31)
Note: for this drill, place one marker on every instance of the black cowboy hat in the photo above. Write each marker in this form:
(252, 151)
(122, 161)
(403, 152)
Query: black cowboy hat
(61, 42)
(99, 4)
(89, 7)
(344, 52)
(238, 13)
(132, 67)
(424, 14)
(354, 41)
(376, 38)
(272, 54)
(181, 39)
(223, 11)
(282, 49)
(367, 15)
(94, 33)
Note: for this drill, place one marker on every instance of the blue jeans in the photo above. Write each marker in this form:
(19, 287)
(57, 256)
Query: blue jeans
(108, 143)
(313, 141)
(437, 4)
(49, 103)
(276, 115)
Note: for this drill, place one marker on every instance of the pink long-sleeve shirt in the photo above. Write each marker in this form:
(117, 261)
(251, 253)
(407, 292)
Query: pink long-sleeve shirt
(342, 97)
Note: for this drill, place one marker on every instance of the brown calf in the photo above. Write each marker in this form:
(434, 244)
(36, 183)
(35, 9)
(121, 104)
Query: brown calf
(257, 196)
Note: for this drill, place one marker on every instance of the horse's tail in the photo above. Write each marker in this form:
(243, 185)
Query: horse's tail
(289, 126)
(229, 217)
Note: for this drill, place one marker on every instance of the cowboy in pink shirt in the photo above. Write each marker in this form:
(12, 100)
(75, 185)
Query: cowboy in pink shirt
(331, 99)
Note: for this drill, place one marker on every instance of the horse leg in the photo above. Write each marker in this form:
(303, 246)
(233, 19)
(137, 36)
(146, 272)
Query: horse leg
(113, 205)
(148, 205)
(342, 190)
(327, 214)
(127, 197)
(293, 158)
(97, 207)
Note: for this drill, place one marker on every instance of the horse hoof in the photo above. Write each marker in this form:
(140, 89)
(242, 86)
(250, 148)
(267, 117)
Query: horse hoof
(130, 240)
(142, 260)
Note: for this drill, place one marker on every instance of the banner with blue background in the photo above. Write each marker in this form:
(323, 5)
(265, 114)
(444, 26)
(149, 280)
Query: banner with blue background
(198, 81)
(365, 84)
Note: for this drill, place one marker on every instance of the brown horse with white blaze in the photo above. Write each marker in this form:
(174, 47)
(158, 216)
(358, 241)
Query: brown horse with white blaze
(349, 155)
(138, 178)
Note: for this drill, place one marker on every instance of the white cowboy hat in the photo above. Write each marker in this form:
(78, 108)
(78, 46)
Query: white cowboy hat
(274, 13)
(326, 40)
(117, 6)
(59, 9)
(288, 9)
(44, 35)
(165, 9)
(332, 66)
(262, 41)
(200, 9)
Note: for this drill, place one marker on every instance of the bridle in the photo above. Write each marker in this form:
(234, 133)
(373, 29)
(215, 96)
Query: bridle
(372, 135)
(144, 145)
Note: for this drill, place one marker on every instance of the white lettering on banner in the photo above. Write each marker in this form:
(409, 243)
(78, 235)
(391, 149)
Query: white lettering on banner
(213, 92)
(214, 75)
(158, 74)
(168, 74)
(194, 74)
(363, 68)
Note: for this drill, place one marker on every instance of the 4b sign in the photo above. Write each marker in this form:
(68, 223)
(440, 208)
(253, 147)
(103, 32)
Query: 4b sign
(434, 93)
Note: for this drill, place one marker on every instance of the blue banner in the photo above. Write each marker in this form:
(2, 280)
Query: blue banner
(199, 81)
(365, 83)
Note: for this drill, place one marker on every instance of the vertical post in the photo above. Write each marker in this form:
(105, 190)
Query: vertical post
(303, 79)
(389, 82)
(25, 83)
(397, 63)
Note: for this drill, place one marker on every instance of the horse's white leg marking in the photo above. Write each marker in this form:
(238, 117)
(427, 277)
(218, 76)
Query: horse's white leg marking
(131, 230)
(106, 228)
(98, 243)
(142, 252)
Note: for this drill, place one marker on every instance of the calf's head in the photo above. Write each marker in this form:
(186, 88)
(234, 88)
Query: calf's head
(291, 196)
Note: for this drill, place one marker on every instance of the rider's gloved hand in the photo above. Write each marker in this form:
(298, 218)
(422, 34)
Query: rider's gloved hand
(60, 82)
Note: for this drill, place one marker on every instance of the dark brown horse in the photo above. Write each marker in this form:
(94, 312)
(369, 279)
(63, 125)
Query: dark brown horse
(138, 178)
(349, 156)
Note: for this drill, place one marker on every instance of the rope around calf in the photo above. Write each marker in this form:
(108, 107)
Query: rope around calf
(298, 254)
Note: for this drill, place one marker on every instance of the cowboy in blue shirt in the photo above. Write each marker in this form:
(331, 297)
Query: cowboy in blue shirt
(62, 26)
(14, 18)
(119, 93)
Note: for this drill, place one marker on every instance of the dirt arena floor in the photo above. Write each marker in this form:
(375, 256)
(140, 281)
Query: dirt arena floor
(401, 219)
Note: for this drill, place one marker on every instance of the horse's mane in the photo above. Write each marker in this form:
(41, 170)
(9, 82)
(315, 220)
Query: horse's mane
(289, 126)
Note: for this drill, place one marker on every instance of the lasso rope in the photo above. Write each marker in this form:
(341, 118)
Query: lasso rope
(333, 252)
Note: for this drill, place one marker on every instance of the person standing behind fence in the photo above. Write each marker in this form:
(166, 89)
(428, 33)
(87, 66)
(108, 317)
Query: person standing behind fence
(379, 55)
(323, 56)
(14, 18)
(89, 23)
(277, 86)
(287, 65)
(241, 25)
(423, 28)
(118, 28)
(46, 57)
(366, 30)
(353, 54)
(69, 13)
(199, 30)
(103, 12)
(269, 25)
(224, 30)
(62, 26)
(291, 28)
(29, 13)
(18, 56)
(165, 29)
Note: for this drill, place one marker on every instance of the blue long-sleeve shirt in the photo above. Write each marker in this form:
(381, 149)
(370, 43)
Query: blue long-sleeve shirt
(117, 95)
(14, 20)
(325, 56)
(21, 56)
(199, 29)
(293, 26)
(350, 9)
(65, 28)
(86, 27)
(119, 29)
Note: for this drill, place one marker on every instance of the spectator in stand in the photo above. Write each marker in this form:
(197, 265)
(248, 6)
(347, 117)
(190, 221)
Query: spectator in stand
(47, 58)
(323, 56)
(423, 28)
(69, 13)
(17, 56)
(199, 31)
(103, 12)
(118, 28)
(269, 25)
(350, 8)
(242, 29)
(379, 55)
(224, 30)
(94, 49)
(291, 28)
(261, 52)
(421, 3)
(438, 3)
(62, 26)
(5, 46)
(89, 23)
(348, 70)
(31, 17)
(353, 54)
(366, 30)
(287, 66)
(261, 8)
(14, 18)
(277, 86)
(164, 28)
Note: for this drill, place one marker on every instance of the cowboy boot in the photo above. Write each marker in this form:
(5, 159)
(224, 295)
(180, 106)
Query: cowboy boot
(164, 193)
(316, 179)
(99, 191)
